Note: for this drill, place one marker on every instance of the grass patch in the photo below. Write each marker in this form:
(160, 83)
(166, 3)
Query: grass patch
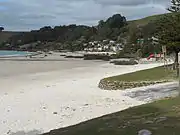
(154, 74)
(138, 79)
(146, 20)
(161, 118)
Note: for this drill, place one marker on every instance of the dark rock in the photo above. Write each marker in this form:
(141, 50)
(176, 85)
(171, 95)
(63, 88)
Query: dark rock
(67, 108)
(74, 109)
(9, 132)
(55, 113)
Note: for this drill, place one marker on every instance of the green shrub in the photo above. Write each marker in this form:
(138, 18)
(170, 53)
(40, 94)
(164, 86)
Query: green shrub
(63, 55)
(124, 62)
(96, 57)
(77, 57)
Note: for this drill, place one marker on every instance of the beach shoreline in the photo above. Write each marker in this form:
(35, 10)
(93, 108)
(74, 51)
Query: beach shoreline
(44, 96)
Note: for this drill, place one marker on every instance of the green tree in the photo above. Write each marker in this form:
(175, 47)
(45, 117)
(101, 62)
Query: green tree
(111, 28)
(101, 24)
(175, 6)
(1, 29)
(169, 30)
(116, 21)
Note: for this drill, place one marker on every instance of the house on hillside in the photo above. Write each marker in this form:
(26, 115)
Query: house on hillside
(155, 40)
(106, 40)
(105, 47)
(95, 42)
(112, 42)
(115, 48)
(85, 44)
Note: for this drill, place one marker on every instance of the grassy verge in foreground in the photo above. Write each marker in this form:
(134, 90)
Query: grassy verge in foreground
(138, 79)
(154, 74)
(161, 118)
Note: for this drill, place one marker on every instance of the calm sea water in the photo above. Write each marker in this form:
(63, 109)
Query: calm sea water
(14, 53)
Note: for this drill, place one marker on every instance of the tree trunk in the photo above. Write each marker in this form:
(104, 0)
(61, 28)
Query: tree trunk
(176, 63)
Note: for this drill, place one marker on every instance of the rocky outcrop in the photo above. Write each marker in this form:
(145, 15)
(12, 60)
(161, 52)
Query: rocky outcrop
(120, 85)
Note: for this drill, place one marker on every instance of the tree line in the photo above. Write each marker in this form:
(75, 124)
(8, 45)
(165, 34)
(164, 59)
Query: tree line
(71, 36)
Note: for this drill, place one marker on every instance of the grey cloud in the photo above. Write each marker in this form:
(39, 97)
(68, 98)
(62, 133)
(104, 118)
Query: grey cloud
(122, 2)
(32, 14)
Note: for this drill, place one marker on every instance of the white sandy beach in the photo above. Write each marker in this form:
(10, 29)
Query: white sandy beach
(45, 95)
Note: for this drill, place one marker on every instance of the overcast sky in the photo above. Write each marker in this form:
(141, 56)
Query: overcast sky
(33, 14)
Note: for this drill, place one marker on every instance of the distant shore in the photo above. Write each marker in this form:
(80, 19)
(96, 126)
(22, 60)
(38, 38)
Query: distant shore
(52, 56)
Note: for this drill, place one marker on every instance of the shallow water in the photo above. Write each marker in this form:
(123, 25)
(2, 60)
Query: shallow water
(13, 53)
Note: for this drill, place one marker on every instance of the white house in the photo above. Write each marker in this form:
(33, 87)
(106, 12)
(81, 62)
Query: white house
(91, 49)
(155, 39)
(99, 45)
(105, 40)
(100, 49)
(85, 44)
(95, 42)
(116, 48)
(86, 49)
(105, 47)
(112, 42)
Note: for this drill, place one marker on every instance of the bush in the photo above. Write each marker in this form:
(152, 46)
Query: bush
(63, 55)
(77, 57)
(124, 62)
(96, 57)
